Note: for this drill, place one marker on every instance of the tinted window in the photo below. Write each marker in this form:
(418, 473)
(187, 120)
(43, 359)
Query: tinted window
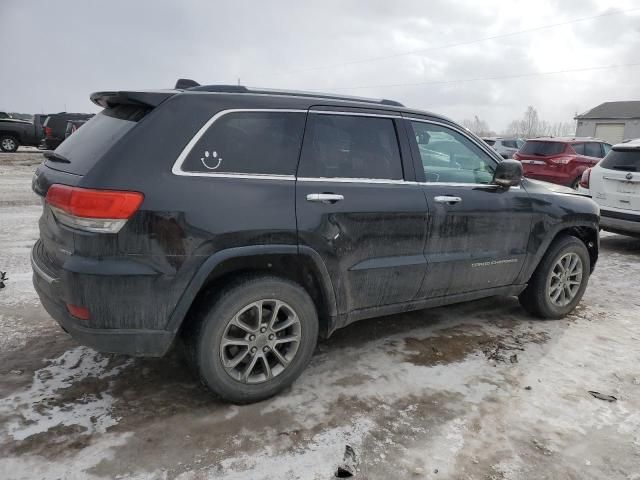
(449, 156)
(350, 147)
(579, 148)
(85, 147)
(489, 142)
(249, 142)
(542, 149)
(592, 149)
(510, 143)
(607, 148)
(627, 161)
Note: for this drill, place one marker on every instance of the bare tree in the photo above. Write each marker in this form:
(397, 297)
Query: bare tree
(478, 126)
(530, 126)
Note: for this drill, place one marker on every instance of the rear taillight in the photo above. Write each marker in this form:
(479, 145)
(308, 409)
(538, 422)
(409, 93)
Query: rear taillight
(103, 211)
(560, 160)
(48, 132)
(79, 311)
(586, 176)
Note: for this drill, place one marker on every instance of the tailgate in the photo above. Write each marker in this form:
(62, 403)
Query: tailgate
(618, 182)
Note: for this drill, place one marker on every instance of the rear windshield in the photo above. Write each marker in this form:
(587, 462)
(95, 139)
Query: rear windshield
(85, 147)
(627, 161)
(489, 142)
(542, 149)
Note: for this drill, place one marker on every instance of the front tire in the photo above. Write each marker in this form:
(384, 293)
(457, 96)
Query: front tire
(559, 282)
(8, 143)
(255, 338)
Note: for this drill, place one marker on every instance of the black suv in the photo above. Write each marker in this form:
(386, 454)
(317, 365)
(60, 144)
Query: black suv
(244, 224)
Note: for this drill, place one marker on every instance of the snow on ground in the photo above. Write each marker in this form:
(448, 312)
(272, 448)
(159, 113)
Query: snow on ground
(477, 390)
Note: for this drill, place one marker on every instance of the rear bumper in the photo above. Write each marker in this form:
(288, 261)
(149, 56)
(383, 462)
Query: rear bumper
(617, 222)
(128, 341)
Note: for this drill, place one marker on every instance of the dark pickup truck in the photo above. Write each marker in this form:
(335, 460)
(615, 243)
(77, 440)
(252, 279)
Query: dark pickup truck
(15, 132)
(55, 128)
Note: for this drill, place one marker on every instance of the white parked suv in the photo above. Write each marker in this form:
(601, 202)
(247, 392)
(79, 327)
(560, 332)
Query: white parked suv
(506, 147)
(614, 184)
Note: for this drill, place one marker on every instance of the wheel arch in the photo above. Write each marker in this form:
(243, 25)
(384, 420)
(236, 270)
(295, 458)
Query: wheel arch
(587, 232)
(302, 265)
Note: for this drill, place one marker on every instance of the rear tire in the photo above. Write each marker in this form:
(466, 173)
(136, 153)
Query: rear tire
(559, 282)
(244, 354)
(8, 143)
(576, 183)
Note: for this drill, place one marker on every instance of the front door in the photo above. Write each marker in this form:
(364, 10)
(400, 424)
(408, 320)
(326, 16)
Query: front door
(355, 207)
(477, 232)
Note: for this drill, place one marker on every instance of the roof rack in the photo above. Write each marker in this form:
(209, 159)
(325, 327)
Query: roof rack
(191, 85)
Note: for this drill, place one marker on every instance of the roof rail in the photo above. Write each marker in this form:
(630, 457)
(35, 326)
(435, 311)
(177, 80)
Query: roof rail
(191, 85)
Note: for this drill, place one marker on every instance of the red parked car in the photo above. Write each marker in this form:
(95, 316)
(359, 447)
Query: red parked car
(560, 160)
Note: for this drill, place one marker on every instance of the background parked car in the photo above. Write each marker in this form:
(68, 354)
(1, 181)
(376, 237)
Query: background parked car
(55, 128)
(72, 126)
(15, 132)
(506, 147)
(614, 184)
(560, 160)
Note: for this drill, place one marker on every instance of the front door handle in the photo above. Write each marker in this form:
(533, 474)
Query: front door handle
(324, 197)
(447, 199)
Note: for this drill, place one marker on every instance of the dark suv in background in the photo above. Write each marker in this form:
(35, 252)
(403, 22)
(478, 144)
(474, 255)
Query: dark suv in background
(560, 160)
(246, 223)
(55, 128)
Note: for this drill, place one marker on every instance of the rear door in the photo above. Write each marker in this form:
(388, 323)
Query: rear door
(477, 232)
(616, 181)
(359, 208)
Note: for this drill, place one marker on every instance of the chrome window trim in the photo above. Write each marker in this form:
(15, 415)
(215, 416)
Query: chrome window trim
(356, 180)
(354, 114)
(177, 166)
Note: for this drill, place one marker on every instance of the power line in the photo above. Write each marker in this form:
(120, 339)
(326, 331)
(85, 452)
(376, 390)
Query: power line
(459, 44)
(478, 79)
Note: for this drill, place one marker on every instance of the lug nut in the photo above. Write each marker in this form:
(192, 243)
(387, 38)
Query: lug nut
(265, 349)
(254, 349)
(252, 338)
(263, 329)
(272, 336)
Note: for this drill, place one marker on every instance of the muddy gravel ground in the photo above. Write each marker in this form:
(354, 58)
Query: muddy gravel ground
(474, 391)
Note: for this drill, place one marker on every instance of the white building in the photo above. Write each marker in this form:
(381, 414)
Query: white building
(610, 121)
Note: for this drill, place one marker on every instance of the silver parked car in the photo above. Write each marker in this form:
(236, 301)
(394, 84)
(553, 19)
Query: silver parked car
(504, 146)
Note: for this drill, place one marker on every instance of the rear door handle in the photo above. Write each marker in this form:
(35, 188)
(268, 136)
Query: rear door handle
(447, 199)
(324, 197)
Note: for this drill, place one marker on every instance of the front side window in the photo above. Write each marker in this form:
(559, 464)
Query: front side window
(346, 146)
(264, 143)
(450, 157)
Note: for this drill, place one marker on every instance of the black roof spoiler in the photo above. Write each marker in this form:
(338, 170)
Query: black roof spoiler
(149, 98)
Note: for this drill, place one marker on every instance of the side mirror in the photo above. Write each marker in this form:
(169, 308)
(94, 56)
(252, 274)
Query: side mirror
(508, 173)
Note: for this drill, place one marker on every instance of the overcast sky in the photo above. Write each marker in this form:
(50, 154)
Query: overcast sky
(54, 54)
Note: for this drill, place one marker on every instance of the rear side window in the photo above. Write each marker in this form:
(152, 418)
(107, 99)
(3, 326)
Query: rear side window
(85, 147)
(542, 149)
(579, 148)
(345, 146)
(263, 143)
(624, 160)
(593, 149)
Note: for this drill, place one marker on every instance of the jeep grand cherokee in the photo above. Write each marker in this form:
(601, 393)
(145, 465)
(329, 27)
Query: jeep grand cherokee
(244, 224)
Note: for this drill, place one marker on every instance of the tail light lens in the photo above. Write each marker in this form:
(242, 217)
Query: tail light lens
(48, 132)
(586, 176)
(560, 160)
(79, 311)
(102, 211)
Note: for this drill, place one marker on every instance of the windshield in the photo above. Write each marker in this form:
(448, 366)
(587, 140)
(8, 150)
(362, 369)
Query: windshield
(542, 149)
(625, 160)
(86, 146)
